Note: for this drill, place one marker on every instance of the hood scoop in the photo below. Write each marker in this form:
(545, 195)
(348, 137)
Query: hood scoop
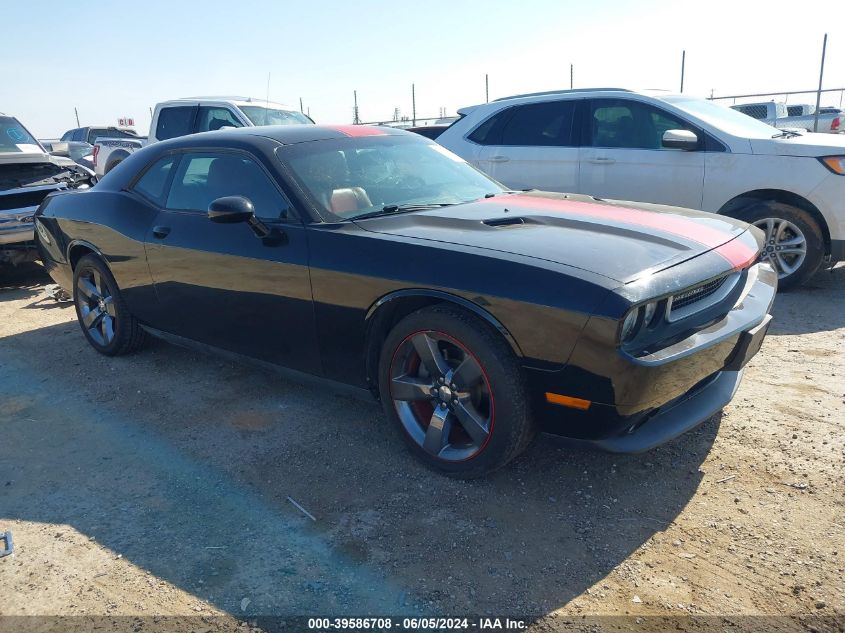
(506, 222)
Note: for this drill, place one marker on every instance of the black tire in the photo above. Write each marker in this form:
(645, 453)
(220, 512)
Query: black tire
(112, 165)
(760, 212)
(95, 292)
(497, 392)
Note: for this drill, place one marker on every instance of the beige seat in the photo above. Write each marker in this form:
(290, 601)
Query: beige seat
(349, 199)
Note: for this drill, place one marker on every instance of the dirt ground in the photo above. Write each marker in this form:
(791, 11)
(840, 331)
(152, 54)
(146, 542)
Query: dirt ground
(160, 484)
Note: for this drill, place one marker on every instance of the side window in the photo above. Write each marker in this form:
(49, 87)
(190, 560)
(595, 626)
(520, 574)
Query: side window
(78, 134)
(201, 178)
(541, 124)
(67, 135)
(151, 185)
(490, 132)
(214, 118)
(175, 121)
(622, 123)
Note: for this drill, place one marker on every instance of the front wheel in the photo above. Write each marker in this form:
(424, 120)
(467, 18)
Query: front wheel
(103, 315)
(794, 243)
(454, 388)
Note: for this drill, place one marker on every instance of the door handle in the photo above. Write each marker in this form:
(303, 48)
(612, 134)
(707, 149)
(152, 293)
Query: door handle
(602, 161)
(161, 231)
(499, 159)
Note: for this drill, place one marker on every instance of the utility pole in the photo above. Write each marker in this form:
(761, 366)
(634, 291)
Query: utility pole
(571, 76)
(300, 106)
(819, 93)
(486, 88)
(76, 112)
(355, 118)
(683, 64)
(413, 106)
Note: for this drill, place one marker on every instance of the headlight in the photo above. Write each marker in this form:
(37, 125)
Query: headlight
(629, 323)
(648, 313)
(636, 319)
(836, 164)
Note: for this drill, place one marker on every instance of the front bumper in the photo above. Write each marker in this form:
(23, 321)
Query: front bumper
(17, 227)
(675, 418)
(638, 403)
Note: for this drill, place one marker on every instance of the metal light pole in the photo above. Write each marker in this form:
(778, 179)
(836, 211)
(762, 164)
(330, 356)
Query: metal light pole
(76, 112)
(413, 107)
(355, 118)
(486, 88)
(683, 64)
(819, 93)
(571, 76)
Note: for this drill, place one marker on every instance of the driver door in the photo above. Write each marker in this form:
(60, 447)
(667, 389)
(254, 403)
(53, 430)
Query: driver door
(221, 285)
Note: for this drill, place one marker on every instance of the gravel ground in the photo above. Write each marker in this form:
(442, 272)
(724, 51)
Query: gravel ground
(161, 484)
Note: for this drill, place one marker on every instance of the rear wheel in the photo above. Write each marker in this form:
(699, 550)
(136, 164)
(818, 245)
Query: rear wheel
(103, 315)
(112, 165)
(454, 388)
(794, 244)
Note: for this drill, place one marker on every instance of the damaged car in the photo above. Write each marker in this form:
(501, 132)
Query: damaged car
(28, 174)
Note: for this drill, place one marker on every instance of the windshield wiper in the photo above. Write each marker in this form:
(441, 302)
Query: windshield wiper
(390, 209)
(786, 134)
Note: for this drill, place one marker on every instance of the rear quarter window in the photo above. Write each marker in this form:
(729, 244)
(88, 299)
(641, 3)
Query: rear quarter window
(152, 184)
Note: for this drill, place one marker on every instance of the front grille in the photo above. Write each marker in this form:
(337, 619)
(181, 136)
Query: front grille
(689, 297)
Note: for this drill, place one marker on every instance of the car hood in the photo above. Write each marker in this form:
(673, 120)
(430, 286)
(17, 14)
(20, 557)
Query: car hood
(619, 240)
(808, 144)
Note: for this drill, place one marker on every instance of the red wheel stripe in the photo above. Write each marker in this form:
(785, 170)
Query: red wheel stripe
(483, 373)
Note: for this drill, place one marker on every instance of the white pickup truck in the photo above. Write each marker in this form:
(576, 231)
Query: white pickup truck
(180, 117)
(798, 117)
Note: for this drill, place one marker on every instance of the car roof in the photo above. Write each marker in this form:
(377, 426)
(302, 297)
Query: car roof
(232, 100)
(298, 133)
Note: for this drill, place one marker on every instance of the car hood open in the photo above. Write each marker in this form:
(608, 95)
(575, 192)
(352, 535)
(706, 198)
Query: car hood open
(620, 241)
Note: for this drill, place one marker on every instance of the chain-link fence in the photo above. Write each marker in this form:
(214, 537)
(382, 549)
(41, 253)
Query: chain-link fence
(794, 108)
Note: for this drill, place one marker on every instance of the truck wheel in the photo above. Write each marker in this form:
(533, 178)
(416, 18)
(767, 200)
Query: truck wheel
(112, 165)
(794, 244)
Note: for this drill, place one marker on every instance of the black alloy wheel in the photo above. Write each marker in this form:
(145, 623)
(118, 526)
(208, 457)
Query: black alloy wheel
(103, 315)
(442, 396)
(453, 386)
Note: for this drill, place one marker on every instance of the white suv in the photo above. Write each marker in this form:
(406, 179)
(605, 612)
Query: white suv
(669, 149)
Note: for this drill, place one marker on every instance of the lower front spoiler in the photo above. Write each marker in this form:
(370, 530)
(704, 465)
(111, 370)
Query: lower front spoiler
(673, 419)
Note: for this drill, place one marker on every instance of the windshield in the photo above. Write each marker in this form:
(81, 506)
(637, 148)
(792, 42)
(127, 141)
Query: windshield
(15, 138)
(723, 117)
(352, 177)
(259, 115)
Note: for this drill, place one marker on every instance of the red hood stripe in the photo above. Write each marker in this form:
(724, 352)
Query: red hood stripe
(735, 252)
(358, 130)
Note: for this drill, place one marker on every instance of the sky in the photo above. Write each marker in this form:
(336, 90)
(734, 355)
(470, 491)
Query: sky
(111, 60)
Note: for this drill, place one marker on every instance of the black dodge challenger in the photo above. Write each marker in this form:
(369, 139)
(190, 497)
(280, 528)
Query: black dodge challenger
(376, 258)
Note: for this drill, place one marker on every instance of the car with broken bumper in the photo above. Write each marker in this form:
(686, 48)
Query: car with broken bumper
(378, 259)
(28, 174)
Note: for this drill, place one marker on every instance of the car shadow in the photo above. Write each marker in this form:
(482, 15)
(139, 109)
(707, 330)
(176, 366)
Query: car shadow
(188, 466)
(21, 282)
(800, 311)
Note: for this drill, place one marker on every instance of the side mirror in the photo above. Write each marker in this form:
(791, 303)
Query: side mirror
(60, 149)
(680, 139)
(231, 210)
